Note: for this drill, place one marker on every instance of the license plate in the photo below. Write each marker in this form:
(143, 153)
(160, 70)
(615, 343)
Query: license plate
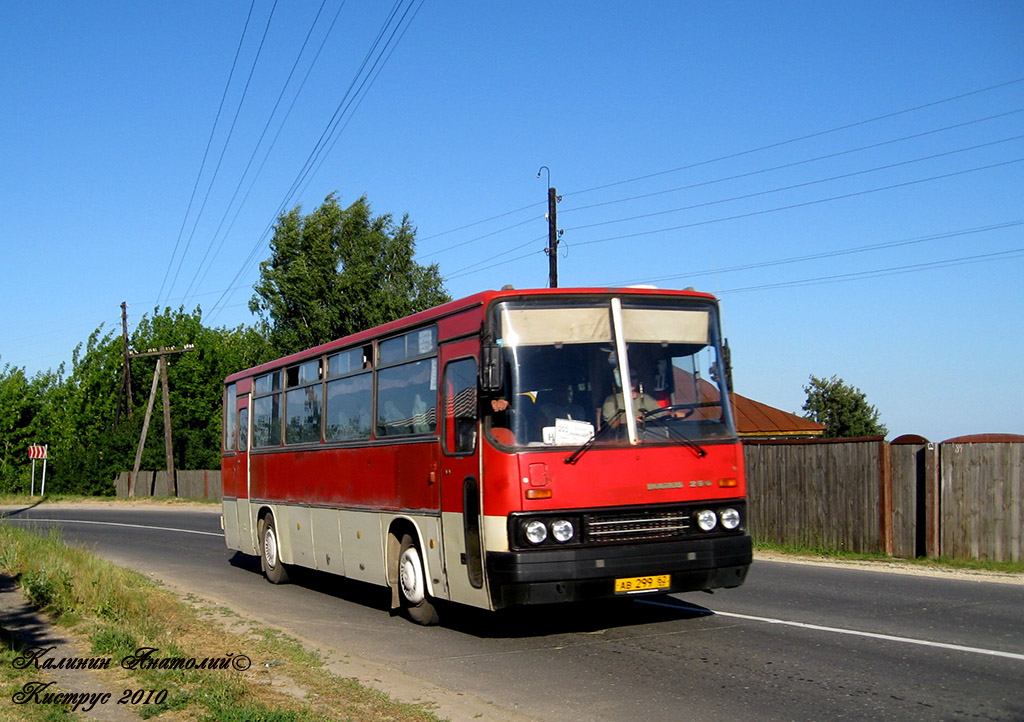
(633, 585)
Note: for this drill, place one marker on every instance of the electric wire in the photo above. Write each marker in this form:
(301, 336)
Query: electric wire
(469, 270)
(361, 94)
(206, 153)
(751, 151)
(252, 157)
(374, 54)
(794, 164)
(809, 136)
(273, 143)
(803, 204)
(892, 271)
(227, 141)
(822, 255)
(805, 184)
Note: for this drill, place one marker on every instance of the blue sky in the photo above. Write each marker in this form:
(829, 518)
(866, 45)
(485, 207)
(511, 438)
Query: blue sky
(847, 177)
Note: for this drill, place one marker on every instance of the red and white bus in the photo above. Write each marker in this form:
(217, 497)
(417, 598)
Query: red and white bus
(483, 452)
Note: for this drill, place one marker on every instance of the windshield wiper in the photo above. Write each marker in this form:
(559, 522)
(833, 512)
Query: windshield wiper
(592, 440)
(676, 433)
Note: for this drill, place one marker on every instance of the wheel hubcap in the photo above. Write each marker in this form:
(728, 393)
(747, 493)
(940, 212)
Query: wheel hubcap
(270, 548)
(411, 576)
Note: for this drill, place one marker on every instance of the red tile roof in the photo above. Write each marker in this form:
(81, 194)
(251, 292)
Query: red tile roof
(754, 419)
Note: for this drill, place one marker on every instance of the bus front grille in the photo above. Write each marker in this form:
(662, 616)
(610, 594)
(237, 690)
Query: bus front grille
(636, 525)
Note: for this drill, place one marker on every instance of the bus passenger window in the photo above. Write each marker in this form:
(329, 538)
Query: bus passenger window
(407, 399)
(349, 404)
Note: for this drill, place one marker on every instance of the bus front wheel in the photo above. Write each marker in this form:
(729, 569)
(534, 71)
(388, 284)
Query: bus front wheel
(412, 584)
(272, 565)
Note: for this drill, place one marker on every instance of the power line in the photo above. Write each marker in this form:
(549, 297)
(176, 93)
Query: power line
(470, 270)
(480, 238)
(750, 151)
(790, 141)
(374, 54)
(802, 204)
(794, 164)
(824, 254)
(485, 220)
(206, 153)
(797, 185)
(892, 271)
(202, 264)
(227, 141)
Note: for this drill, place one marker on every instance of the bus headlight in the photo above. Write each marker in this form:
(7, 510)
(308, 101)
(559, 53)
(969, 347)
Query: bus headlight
(562, 530)
(706, 519)
(536, 532)
(730, 518)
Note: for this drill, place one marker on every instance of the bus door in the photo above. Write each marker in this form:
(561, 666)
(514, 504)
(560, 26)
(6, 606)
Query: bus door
(242, 509)
(461, 503)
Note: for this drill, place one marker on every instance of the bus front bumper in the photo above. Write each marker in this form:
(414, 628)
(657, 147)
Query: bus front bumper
(546, 576)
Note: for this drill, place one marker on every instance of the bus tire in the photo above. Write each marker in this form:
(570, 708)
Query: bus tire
(412, 584)
(270, 547)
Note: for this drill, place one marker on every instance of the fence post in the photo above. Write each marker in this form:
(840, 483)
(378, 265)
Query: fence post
(885, 495)
(932, 497)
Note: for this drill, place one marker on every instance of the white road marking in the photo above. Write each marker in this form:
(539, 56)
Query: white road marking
(858, 633)
(115, 523)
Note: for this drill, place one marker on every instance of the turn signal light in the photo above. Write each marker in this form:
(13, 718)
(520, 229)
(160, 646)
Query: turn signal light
(728, 483)
(538, 493)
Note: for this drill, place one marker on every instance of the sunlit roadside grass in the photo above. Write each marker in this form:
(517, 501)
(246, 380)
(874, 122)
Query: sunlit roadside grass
(13, 680)
(22, 500)
(118, 612)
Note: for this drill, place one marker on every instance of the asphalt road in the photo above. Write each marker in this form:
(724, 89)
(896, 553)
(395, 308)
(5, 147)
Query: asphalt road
(796, 642)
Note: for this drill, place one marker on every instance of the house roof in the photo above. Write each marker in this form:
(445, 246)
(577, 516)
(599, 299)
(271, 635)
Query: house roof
(753, 419)
(756, 419)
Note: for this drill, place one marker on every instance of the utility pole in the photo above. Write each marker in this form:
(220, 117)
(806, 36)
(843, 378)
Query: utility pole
(125, 394)
(553, 233)
(159, 375)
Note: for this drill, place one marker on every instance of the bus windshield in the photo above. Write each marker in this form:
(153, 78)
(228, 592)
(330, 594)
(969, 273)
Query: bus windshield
(567, 361)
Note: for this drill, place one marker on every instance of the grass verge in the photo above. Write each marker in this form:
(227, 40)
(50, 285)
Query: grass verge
(26, 500)
(936, 563)
(199, 670)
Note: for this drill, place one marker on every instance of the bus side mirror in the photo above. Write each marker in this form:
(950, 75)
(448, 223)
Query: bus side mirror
(491, 381)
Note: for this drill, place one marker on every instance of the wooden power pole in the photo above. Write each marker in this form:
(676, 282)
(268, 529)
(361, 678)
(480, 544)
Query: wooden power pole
(159, 376)
(124, 395)
(553, 233)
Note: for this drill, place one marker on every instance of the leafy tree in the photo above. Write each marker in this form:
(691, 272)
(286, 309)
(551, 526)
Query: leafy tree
(75, 415)
(337, 271)
(843, 409)
(18, 409)
(79, 419)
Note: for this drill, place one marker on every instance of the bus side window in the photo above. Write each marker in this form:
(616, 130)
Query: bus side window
(243, 430)
(460, 407)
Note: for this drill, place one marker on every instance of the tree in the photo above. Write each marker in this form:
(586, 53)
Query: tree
(843, 409)
(18, 409)
(337, 271)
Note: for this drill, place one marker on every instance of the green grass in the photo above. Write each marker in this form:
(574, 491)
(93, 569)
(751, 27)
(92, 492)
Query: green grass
(937, 563)
(26, 500)
(13, 681)
(116, 611)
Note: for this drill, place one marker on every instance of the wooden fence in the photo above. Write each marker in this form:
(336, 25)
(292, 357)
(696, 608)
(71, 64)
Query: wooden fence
(186, 484)
(909, 498)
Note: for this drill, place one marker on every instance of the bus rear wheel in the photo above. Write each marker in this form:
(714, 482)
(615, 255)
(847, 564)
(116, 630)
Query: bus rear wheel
(273, 567)
(412, 584)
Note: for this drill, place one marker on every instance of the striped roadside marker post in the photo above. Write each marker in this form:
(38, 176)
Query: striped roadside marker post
(38, 452)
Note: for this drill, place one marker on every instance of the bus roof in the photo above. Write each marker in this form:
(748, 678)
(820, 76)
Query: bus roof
(483, 298)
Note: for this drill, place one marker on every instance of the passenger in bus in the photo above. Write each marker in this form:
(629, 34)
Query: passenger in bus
(558, 404)
(614, 405)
